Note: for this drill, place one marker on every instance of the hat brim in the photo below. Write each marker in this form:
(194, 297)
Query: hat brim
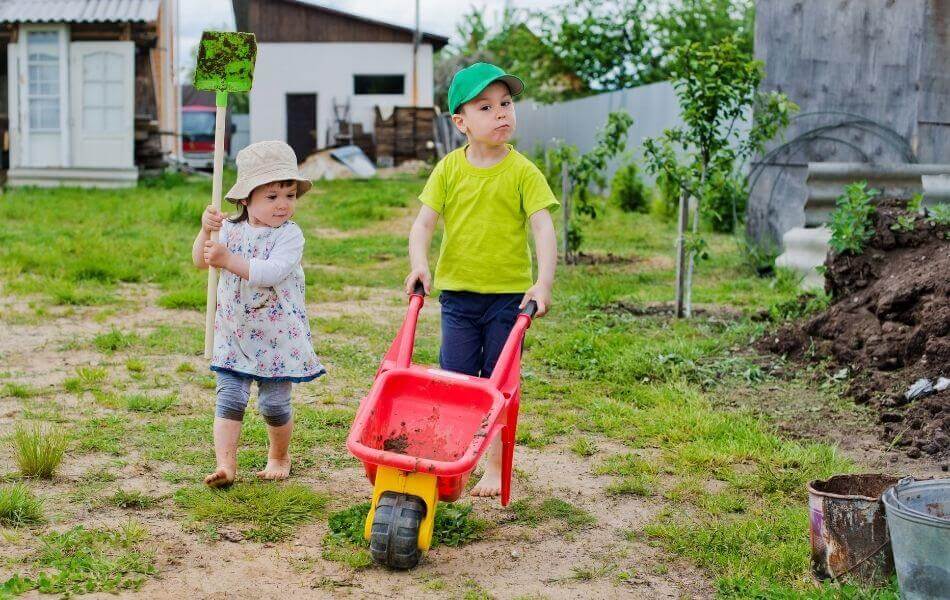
(242, 188)
(515, 86)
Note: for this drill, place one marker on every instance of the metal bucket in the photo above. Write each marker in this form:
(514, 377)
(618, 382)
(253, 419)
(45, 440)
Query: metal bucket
(849, 539)
(918, 516)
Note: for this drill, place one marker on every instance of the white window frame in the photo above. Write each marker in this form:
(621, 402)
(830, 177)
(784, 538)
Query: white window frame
(62, 30)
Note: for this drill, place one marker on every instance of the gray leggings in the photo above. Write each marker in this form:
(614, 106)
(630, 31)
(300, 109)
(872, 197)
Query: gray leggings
(234, 390)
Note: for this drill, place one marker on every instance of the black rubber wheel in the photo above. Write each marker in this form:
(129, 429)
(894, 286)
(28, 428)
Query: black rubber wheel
(394, 540)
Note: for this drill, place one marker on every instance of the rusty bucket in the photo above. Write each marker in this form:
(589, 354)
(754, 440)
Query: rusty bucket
(849, 539)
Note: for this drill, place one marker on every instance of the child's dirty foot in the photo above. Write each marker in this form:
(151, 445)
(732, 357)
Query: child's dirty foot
(276, 469)
(489, 485)
(222, 477)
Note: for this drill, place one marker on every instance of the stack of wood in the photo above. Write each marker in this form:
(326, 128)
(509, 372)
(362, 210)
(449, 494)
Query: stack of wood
(364, 140)
(149, 157)
(406, 135)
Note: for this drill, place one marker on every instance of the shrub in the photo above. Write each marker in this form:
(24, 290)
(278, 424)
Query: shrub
(18, 506)
(724, 203)
(627, 189)
(665, 203)
(850, 223)
(37, 452)
(939, 214)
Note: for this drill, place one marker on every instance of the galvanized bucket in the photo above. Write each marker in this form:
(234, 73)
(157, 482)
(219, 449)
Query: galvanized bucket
(918, 516)
(849, 539)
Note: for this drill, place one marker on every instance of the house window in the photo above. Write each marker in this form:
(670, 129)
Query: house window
(102, 89)
(379, 84)
(43, 74)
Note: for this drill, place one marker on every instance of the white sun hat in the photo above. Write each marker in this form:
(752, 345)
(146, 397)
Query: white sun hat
(266, 162)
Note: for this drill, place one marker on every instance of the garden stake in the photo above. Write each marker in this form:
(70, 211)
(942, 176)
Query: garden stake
(225, 64)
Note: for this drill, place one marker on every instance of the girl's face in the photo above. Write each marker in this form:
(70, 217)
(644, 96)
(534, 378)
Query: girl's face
(272, 204)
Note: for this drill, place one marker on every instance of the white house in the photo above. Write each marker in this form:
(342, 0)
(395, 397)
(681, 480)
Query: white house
(87, 81)
(310, 58)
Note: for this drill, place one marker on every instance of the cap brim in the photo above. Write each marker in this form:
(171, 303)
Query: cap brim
(515, 85)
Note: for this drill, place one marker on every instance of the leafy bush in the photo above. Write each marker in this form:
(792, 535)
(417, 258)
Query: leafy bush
(627, 189)
(725, 202)
(455, 525)
(939, 214)
(850, 223)
(759, 257)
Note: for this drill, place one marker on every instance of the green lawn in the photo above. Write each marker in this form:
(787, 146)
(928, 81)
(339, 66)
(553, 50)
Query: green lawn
(595, 375)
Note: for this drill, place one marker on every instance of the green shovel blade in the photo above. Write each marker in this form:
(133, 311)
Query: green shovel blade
(225, 61)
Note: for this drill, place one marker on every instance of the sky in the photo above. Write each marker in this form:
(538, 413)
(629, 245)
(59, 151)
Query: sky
(436, 16)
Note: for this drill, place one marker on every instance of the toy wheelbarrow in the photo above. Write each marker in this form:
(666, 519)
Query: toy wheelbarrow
(420, 433)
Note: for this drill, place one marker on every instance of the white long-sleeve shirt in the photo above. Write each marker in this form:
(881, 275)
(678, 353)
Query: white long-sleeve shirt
(261, 326)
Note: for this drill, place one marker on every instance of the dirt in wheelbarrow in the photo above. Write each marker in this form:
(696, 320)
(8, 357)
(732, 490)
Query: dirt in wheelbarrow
(397, 443)
(888, 325)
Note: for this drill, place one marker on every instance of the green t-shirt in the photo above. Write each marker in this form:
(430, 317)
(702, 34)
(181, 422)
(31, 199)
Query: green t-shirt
(485, 243)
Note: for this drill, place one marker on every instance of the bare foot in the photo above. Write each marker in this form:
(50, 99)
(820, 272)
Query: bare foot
(222, 477)
(276, 469)
(489, 485)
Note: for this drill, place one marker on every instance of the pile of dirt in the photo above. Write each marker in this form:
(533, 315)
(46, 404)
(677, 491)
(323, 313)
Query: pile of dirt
(889, 323)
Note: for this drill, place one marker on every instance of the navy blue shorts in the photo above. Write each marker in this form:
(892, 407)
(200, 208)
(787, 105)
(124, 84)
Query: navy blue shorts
(474, 330)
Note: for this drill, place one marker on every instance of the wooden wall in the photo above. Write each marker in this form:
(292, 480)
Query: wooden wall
(880, 59)
(291, 21)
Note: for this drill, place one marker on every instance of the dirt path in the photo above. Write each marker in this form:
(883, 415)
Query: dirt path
(551, 560)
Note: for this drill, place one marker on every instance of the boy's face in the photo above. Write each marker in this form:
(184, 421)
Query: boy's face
(489, 118)
(272, 204)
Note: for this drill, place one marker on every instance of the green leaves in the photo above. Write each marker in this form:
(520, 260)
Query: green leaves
(850, 223)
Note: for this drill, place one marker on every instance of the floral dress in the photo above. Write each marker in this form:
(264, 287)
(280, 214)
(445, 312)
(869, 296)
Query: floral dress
(261, 328)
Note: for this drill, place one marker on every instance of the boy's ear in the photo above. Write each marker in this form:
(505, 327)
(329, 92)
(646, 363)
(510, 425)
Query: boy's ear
(459, 121)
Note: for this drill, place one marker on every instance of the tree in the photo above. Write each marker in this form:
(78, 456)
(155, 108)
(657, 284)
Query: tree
(705, 22)
(581, 171)
(716, 87)
(607, 44)
(586, 46)
(513, 45)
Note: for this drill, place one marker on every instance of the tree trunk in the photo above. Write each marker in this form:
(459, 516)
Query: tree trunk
(681, 256)
(692, 253)
(566, 209)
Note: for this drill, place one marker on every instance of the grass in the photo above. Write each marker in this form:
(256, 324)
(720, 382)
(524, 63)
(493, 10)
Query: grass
(38, 451)
(19, 507)
(600, 378)
(533, 513)
(267, 512)
(18, 390)
(455, 525)
(150, 404)
(133, 499)
(82, 561)
(86, 379)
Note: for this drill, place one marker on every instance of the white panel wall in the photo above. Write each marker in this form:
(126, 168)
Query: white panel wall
(327, 69)
(653, 107)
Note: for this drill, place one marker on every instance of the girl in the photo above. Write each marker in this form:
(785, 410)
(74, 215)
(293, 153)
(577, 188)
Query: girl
(261, 331)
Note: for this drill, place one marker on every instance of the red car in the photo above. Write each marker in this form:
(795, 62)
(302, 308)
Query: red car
(197, 132)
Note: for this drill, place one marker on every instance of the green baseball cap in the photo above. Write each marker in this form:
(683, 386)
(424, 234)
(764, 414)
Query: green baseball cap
(470, 81)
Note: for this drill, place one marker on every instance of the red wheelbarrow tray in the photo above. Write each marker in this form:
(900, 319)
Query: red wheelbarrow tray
(427, 420)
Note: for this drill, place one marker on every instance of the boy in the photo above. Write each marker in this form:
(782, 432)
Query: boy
(486, 193)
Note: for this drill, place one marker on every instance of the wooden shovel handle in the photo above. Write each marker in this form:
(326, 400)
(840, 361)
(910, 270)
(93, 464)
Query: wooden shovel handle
(212, 303)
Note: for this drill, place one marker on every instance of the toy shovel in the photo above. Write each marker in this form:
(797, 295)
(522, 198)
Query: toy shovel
(225, 64)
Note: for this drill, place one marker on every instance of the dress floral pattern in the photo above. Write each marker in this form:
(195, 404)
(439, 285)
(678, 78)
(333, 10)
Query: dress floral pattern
(263, 331)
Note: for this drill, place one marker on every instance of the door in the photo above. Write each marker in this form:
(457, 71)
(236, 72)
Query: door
(302, 124)
(42, 97)
(102, 76)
